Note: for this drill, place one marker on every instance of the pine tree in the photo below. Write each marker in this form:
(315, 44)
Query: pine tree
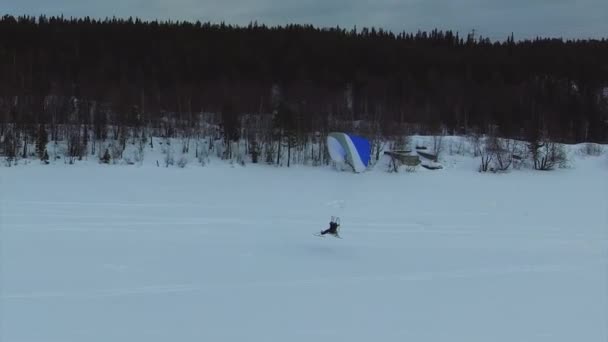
(45, 157)
(106, 157)
(42, 139)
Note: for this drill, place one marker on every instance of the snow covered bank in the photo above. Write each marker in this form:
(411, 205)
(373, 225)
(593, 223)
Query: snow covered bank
(95, 252)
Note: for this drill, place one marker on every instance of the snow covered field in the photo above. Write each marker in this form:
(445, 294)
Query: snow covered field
(220, 253)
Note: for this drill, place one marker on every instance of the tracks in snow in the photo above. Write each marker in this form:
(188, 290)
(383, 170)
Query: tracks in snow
(316, 282)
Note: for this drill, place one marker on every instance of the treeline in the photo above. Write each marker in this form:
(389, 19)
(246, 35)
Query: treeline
(286, 86)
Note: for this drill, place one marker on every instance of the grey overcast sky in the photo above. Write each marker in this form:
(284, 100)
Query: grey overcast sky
(491, 18)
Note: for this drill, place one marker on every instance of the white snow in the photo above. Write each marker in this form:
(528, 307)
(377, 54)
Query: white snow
(220, 253)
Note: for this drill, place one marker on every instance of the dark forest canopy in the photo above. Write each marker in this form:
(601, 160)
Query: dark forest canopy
(139, 73)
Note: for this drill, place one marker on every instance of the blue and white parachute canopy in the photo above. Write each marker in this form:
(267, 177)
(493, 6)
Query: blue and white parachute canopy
(349, 149)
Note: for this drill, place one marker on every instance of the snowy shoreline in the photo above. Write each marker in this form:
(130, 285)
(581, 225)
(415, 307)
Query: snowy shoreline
(92, 252)
(456, 152)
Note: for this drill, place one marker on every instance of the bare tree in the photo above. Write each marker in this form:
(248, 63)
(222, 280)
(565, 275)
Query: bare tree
(378, 141)
(42, 139)
(475, 140)
(167, 150)
(546, 154)
(138, 155)
(10, 146)
(75, 147)
(504, 152)
(438, 144)
(486, 151)
(401, 142)
(458, 147)
(203, 154)
(269, 151)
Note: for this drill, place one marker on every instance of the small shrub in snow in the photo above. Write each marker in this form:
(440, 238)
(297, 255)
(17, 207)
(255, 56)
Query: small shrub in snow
(546, 155)
(220, 150)
(169, 159)
(42, 139)
(203, 156)
(437, 146)
(484, 147)
(269, 153)
(240, 158)
(182, 162)
(497, 155)
(457, 147)
(484, 150)
(504, 150)
(255, 152)
(401, 143)
(128, 161)
(116, 152)
(106, 157)
(591, 149)
(168, 152)
(393, 165)
(518, 161)
(45, 157)
(8, 161)
(138, 156)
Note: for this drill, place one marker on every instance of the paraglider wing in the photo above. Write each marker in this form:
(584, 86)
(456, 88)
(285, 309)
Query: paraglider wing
(363, 148)
(349, 149)
(336, 146)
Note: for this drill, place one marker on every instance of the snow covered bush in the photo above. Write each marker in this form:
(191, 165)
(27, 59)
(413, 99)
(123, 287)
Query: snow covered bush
(106, 157)
(183, 161)
(504, 152)
(115, 152)
(254, 150)
(76, 145)
(547, 155)
(401, 143)
(591, 149)
(269, 153)
(497, 155)
(411, 168)
(167, 151)
(484, 149)
(202, 154)
(438, 145)
(45, 157)
(138, 156)
(240, 158)
(457, 147)
(475, 141)
(9, 145)
(169, 160)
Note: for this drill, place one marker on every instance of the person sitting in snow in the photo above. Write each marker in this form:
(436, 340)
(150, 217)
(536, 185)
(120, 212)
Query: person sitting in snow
(333, 227)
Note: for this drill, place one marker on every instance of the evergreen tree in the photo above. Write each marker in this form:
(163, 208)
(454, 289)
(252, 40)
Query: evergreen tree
(106, 158)
(42, 140)
(45, 157)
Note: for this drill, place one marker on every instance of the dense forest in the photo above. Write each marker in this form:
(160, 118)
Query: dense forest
(83, 80)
